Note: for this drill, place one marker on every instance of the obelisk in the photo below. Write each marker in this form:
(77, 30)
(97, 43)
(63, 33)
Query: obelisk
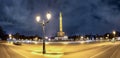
(60, 33)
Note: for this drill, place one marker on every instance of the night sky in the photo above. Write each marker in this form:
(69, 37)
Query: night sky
(79, 16)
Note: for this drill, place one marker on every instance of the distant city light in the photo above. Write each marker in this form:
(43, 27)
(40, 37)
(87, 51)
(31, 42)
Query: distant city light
(36, 42)
(49, 39)
(107, 35)
(46, 37)
(36, 38)
(114, 32)
(66, 37)
(10, 36)
(82, 37)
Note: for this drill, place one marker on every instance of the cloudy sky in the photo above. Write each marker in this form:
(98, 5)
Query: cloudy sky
(79, 16)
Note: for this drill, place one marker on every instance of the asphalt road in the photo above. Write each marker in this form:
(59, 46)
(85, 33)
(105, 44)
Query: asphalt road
(94, 50)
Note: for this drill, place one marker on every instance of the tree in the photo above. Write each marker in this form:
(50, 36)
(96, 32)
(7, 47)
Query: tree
(3, 35)
(17, 36)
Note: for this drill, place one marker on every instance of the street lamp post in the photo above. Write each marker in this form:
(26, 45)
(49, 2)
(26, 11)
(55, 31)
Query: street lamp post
(10, 36)
(43, 23)
(114, 33)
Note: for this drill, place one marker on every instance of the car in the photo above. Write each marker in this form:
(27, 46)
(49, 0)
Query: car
(17, 43)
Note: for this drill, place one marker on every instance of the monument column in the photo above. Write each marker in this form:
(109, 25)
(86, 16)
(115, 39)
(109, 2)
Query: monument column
(60, 21)
(60, 33)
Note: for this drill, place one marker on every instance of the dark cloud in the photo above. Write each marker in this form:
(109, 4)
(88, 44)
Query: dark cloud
(79, 16)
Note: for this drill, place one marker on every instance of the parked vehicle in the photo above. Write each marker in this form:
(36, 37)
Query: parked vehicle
(17, 43)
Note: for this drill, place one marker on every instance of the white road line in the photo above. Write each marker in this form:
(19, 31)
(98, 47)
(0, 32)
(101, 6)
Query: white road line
(19, 53)
(8, 56)
(115, 52)
(101, 52)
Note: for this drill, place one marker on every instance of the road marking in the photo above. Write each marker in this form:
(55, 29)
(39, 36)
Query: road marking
(19, 53)
(6, 52)
(101, 52)
(115, 52)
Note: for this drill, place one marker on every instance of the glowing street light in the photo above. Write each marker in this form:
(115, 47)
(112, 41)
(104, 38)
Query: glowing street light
(10, 36)
(48, 16)
(36, 38)
(82, 37)
(108, 35)
(43, 23)
(114, 32)
(38, 18)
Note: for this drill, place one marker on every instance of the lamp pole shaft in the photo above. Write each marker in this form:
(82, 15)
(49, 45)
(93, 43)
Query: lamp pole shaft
(44, 49)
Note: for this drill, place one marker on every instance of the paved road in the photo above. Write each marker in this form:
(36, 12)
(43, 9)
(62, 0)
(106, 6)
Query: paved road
(94, 50)
(6, 52)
